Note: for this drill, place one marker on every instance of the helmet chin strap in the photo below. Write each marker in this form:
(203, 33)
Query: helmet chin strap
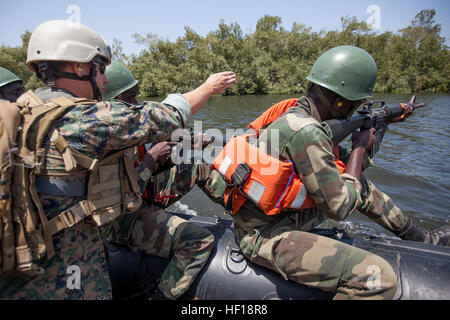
(325, 99)
(48, 75)
(97, 95)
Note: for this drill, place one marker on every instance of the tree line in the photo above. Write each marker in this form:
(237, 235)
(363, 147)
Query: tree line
(273, 60)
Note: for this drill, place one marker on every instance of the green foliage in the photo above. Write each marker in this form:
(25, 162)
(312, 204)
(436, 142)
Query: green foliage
(273, 60)
(117, 51)
(14, 59)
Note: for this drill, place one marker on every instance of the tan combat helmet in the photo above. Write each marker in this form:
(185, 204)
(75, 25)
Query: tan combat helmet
(62, 40)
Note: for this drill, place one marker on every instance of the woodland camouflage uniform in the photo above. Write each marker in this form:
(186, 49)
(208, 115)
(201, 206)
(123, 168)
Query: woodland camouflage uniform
(98, 130)
(281, 242)
(168, 233)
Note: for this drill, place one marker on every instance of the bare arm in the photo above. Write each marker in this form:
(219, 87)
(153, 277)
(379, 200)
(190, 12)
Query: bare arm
(215, 84)
(362, 141)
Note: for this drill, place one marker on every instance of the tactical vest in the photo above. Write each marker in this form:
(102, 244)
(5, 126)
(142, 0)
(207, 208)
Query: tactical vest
(252, 174)
(25, 231)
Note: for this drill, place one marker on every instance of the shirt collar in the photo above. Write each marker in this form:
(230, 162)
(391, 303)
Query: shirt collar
(308, 105)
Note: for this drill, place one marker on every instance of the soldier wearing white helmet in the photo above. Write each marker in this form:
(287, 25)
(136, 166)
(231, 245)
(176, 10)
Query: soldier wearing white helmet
(59, 50)
(84, 178)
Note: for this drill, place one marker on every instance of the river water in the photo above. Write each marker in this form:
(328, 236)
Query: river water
(412, 165)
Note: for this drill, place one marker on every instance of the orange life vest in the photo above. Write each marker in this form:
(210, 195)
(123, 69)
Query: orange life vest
(272, 113)
(251, 173)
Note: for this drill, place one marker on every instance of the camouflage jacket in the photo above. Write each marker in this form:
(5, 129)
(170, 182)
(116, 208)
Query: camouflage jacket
(310, 149)
(106, 127)
(95, 130)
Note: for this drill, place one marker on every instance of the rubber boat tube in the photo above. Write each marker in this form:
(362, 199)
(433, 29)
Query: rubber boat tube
(423, 270)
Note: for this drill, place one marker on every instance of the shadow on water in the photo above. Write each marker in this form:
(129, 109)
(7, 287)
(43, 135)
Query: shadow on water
(411, 167)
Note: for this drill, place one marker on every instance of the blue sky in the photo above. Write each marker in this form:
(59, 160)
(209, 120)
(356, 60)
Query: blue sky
(167, 18)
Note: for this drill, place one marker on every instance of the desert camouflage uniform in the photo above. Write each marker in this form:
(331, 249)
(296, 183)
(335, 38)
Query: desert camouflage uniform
(99, 130)
(282, 243)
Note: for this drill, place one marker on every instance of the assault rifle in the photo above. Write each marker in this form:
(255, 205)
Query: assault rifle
(366, 118)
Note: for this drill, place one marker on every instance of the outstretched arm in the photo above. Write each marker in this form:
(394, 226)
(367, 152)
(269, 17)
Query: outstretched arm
(215, 84)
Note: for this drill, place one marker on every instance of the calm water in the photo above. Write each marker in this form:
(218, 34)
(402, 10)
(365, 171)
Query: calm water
(412, 165)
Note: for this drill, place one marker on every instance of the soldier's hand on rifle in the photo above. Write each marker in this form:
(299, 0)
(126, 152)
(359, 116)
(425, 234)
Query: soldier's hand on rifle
(407, 111)
(363, 138)
(160, 152)
(201, 142)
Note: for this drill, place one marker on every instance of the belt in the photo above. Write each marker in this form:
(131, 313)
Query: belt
(61, 187)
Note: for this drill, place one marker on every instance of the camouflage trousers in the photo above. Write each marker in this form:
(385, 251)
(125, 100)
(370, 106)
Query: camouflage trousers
(282, 243)
(76, 272)
(156, 232)
(379, 207)
(151, 230)
(285, 246)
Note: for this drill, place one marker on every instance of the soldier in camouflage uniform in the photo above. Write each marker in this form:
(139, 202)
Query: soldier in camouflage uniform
(71, 60)
(160, 180)
(11, 86)
(161, 189)
(281, 242)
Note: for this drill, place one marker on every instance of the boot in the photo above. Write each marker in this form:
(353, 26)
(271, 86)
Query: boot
(413, 232)
(158, 296)
(441, 235)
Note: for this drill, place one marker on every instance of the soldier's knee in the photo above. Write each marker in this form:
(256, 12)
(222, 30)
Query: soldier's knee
(209, 239)
(203, 236)
(205, 242)
(369, 276)
(388, 279)
(381, 278)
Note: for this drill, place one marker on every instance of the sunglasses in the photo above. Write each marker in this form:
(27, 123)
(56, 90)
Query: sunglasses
(97, 61)
(102, 68)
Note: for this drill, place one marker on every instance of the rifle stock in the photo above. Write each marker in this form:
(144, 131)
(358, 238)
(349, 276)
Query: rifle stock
(366, 118)
(341, 128)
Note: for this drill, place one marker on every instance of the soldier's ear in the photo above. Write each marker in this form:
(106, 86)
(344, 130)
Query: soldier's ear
(337, 103)
(78, 69)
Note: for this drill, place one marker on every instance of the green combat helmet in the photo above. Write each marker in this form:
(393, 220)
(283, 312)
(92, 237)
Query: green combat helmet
(346, 70)
(11, 86)
(7, 77)
(120, 79)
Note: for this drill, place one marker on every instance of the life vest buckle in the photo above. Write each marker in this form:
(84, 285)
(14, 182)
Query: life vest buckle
(240, 174)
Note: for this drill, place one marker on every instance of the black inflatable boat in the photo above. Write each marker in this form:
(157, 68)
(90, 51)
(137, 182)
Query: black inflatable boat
(423, 270)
